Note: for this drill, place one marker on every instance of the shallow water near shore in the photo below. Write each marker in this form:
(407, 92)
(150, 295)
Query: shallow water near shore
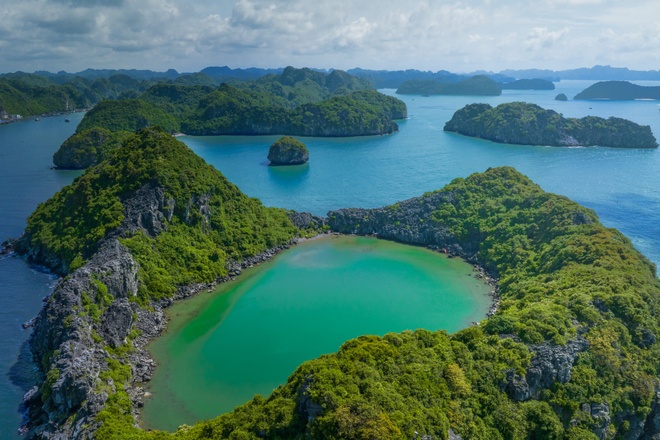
(249, 335)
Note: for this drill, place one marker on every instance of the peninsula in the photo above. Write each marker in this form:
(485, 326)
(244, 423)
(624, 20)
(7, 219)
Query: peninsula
(571, 352)
(528, 124)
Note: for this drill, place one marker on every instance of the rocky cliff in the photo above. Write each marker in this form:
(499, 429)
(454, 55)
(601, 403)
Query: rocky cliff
(89, 339)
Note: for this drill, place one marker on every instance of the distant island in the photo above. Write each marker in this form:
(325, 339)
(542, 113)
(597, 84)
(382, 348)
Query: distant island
(288, 151)
(619, 91)
(528, 124)
(570, 351)
(529, 84)
(479, 85)
(561, 97)
(296, 102)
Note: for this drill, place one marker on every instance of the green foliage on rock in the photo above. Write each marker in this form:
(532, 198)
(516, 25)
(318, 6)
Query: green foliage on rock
(619, 91)
(528, 124)
(563, 278)
(211, 220)
(127, 115)
(304, 86)
(26, 98)
(479, 85)
(288, 151)
(298, 102)
(232, 111)
(88, 147)
(31, 94)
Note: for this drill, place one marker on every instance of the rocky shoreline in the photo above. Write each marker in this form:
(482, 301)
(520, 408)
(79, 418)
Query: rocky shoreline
(66, 339)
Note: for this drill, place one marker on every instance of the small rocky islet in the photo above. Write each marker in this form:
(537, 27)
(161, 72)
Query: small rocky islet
(288, 151)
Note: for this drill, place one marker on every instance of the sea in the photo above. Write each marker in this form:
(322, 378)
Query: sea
(621, 185)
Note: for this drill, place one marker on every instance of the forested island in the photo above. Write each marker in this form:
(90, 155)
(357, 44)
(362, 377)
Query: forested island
(288, 151)
(570, 353)
(619, 91)
(297, 102)
(479, 85)
(529, 124)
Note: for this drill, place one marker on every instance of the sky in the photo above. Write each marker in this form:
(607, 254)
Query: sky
(459, 36)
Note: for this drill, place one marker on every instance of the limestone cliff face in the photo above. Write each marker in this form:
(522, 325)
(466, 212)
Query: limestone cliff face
(409, 222)
(89, 310)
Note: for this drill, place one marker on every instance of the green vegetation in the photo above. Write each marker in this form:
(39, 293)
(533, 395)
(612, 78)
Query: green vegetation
(305, 86)
(619, 91)
(562, 275)
(288, 151)
(528, 124)
(298, 102)
(127, 115)
(479, 85)
(211, 220)
(31, 94)
(88, 147)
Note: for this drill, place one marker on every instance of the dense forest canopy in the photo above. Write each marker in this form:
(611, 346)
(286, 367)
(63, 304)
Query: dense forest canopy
(529, 124)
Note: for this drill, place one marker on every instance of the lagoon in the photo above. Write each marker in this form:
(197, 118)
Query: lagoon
(249, 335)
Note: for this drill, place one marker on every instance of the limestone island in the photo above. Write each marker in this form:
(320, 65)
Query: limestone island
(570, 353)
(288, 151)
(479, 85)
(528, 124)
(619, 91)
(529, 84)
(299, 102)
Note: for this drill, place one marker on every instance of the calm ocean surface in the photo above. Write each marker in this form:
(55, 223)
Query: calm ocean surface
(622, 186)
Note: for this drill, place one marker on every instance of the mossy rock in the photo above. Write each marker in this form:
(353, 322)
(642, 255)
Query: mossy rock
(288, 151)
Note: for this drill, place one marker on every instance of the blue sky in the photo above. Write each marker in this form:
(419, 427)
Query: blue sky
(459, 36)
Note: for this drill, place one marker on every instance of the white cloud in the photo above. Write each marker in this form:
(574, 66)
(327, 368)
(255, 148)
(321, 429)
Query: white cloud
(459, 35)
(542, 38)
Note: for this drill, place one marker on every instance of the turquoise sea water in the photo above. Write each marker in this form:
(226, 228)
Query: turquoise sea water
(622, 186)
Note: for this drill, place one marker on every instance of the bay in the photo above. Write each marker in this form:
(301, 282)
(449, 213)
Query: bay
(249, 335)
(622, 186)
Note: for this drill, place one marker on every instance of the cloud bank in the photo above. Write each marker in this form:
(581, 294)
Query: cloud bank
(459, 36)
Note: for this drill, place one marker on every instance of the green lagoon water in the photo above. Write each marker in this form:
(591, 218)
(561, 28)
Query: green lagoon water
(248, 336)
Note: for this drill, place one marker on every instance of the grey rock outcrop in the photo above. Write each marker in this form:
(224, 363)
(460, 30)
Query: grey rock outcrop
(549, 364)
(409, 223)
